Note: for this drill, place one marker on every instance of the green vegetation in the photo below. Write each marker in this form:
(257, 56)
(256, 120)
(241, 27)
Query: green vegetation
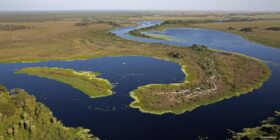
(140, 33)
(268, 129)
(246, 29)
(211, 76)
(225, 75)
(13, 27)
(22, 118)
(273, 28)
(160, 36)
(88, 22)
(87, 82)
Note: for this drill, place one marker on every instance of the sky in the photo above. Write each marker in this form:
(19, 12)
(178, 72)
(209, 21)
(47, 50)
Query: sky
(213, 5)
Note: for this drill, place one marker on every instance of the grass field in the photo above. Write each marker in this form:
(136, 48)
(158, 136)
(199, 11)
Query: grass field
(87, 82)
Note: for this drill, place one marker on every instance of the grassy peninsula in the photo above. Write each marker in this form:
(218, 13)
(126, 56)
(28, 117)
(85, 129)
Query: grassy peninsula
(222, 75)
(87, 82)
(22, 118)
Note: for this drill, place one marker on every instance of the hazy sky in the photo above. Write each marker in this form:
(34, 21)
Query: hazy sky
(244, 5)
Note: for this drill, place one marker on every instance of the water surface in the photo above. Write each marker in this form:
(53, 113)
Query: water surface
(108, 117)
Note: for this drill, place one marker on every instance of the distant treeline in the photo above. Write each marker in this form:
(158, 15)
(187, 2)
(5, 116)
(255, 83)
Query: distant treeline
(238, 19)
(13, 27)
(187, 21)
(250, 29)
(273, 28)
(86, 23)
(209, 21)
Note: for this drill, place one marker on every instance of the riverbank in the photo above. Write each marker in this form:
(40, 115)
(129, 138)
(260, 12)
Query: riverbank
(87, 82)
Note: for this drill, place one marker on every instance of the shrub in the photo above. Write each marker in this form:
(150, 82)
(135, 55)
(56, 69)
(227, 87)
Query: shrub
(13, 27)
(273, 28)
(247, 29)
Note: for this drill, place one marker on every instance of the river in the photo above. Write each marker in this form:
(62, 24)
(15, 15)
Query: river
(111, 118)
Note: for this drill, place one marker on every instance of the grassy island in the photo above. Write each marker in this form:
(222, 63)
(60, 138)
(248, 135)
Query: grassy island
(22, 118)
(160, 36)
(87, 82)
(140, 33)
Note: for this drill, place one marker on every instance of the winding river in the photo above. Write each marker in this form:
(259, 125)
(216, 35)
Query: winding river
(111, 118)
(211, 38)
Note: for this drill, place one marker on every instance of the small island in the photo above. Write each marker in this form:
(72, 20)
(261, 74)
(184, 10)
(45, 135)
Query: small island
(141, 33)
(85, 81)
(159, 36)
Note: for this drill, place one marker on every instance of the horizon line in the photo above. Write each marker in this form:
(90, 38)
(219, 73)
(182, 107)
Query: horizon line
(143, 10)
